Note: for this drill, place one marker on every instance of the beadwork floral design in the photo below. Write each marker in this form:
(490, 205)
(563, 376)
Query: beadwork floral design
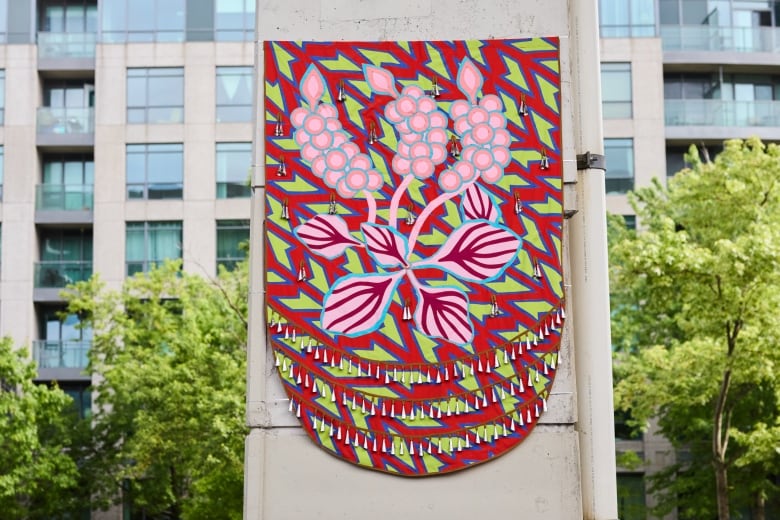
(478, 251)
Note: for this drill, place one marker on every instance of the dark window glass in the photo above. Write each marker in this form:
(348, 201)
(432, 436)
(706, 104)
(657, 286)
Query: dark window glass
(620, 165)
(154, 171)
(616, 90)
(631, 496)
(149, 243)
(67, 183)
(234, 94)
(231, 242)
(233, 163)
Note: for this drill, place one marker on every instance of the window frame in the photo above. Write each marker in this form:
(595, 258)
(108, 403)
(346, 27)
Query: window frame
(244, 33)
(229, 108)
(123, 33)
(148, 228)
(623, 108)
(178, 191)
(224, 179)
(619, 183)
(151, 75)
(231, 225)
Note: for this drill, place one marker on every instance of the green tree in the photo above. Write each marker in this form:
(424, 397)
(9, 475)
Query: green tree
(169, 350)
(38, 473)
(696, 303)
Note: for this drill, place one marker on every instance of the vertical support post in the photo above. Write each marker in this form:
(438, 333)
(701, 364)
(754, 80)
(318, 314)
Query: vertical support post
(590, 279)
(257, 415)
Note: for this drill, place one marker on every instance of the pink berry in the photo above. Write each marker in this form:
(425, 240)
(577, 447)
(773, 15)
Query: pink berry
(438, 119)
(406, 106)
(297, 116)
(356, 179)
(449, 180)
(465, 170)
(459, 108)
(418, 122)
(401, 165)
(375, 180)
(322, 140)
(482, 159)
(482, 133)
(318, 166)
(360, 161)
(336, 159)
(437, 136)
(500, 138)
(493, 174)
(491, 103)
(327, 110)
(391, 113)
(438, 153)
(314, 124)
(497, 120)
(426, 105)
(422, 167)
(477, 115)
(419, 150)
(501, 155)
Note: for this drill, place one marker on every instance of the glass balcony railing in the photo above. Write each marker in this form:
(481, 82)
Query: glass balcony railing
(57, 274)
(64, 197)
(717, 112)
(720, 39)
(66, 45)
(61, 354)
(65, 120)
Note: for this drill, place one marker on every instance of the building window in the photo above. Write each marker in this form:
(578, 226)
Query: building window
(616, 90)
(2, 97)
(232, 236)
(155, 95)
(631, 496)
(620, 165)
(151, 243)
(65, 340)
(143, 21)
(65, 16)
(66, 257)
(627, 18)
(234, 94)
(82, 397)
(234, 20)
(67, 183)
(233, 163)
(2, 169)
(154, 171)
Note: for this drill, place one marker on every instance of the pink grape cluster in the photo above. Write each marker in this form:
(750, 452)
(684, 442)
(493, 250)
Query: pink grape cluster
(422, 131)
(485, 140)
(333, 157)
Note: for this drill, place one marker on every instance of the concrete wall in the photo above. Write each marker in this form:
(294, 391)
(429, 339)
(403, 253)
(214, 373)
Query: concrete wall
(287, 477)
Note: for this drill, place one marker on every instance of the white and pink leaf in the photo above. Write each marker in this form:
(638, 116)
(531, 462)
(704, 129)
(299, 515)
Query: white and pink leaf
(478, 251)
(357, 303)
(443, 312)
(326, 235)
(388, 247)
(477, 204)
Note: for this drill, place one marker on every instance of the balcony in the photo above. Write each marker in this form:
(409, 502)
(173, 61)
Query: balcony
(52, 276)
(57, 359)
(66, 51)
(65, 126)
(707, 43)
(721, 119)
(63, 203)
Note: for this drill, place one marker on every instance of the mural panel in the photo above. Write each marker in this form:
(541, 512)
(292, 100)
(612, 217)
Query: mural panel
(413, 244)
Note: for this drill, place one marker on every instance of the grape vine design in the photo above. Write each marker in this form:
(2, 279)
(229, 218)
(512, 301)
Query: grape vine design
(478, 251)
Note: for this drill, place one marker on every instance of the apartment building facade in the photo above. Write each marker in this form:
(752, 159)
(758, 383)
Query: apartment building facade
(676, 73)
(125, 140)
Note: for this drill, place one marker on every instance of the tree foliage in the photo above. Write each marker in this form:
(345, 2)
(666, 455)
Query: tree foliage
(38, 472)
(169, 349)
(696, 324)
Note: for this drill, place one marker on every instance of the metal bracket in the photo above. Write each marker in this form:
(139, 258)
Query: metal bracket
(588, 161)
